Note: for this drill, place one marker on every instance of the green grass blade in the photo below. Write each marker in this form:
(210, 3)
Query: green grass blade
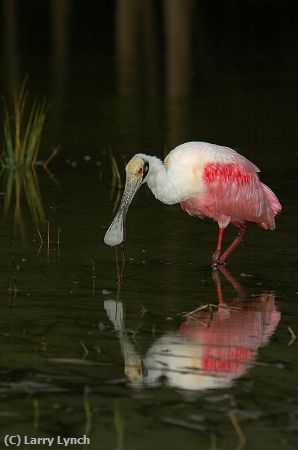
(23, 130)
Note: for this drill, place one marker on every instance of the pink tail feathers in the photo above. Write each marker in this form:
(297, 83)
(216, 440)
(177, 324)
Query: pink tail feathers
(272, 199)
(274, 205)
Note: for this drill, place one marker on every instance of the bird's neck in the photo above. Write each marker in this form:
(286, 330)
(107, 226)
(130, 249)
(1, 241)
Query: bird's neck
(159, 181)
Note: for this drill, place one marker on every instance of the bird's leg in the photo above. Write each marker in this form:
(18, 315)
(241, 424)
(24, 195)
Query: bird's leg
(216, 278)
(216, 254)
(237, 286)
(234, 244)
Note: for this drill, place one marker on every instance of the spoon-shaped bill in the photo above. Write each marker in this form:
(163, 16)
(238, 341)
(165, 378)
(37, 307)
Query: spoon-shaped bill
(115, 234)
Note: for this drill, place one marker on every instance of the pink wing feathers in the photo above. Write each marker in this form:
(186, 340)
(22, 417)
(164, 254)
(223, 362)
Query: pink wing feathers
(237, 195)
(234, 193)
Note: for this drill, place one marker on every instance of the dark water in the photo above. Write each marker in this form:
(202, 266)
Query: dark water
(139, 355)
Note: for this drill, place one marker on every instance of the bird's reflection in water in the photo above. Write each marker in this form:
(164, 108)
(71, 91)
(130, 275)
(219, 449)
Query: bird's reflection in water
(207, 350)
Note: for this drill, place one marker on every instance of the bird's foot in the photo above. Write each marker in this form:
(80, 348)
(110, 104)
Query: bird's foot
(217, 263)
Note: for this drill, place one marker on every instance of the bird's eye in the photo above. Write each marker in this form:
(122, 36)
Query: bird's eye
(145, 169)
(140, 170)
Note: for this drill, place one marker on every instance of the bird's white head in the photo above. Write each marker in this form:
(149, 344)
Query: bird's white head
(136, 172)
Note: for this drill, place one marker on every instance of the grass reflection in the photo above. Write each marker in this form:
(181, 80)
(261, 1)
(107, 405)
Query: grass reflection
(22, 183)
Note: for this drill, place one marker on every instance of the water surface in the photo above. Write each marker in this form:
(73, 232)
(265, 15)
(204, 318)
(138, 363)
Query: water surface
(156, 351)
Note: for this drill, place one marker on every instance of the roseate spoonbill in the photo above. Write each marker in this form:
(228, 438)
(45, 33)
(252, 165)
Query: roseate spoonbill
(207, 180)
(207, 350)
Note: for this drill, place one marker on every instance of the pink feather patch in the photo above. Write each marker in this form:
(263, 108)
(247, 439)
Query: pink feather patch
(228, 172)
